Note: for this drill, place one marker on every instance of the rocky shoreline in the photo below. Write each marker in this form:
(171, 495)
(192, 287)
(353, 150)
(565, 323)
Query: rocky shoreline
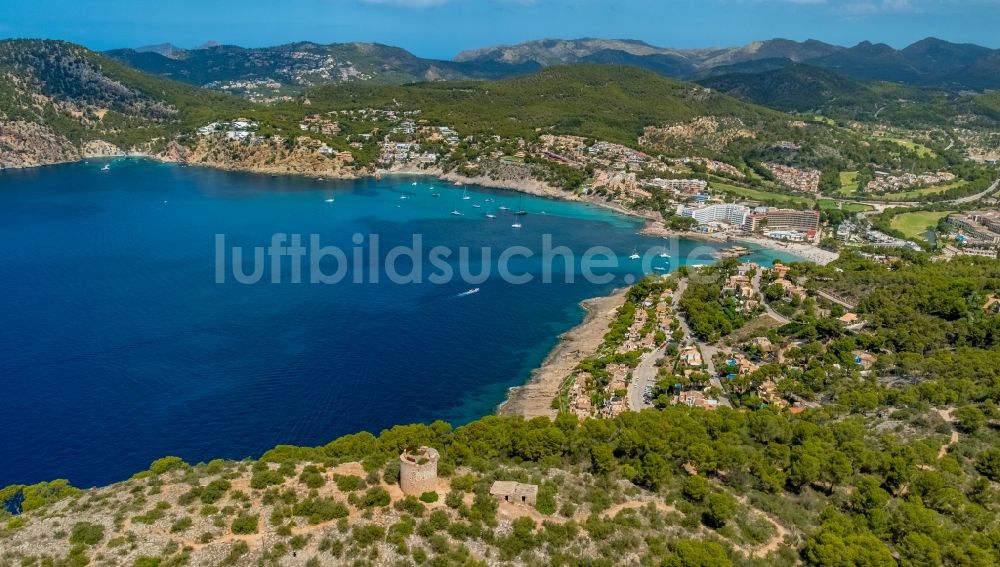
(534, 399)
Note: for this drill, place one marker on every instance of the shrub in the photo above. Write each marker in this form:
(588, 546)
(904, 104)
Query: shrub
(438, 520)
(348, 483)
(988, 464)
(463, 483)
(367, 535)
(166, 464)
(546, 503)
(263, 478)
(454, 499)
(214, 491)
(239, 549)
(429, 497)
(147, 561)
(375, 497)
(298, 542)
(411, 506)
(181, 525)
(970, 418)
(695, 488)
(391, 472)
(155, 513)
(86, 533)
(245, 524)
(721, 509)
(320, 510)
(312, 477)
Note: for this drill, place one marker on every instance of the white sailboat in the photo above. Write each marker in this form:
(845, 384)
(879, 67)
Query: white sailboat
(635, 255)
(106, 167)
(490, 216)
(465, 194)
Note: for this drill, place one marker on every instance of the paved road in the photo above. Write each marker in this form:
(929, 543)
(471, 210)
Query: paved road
(977, 196)
(830, 297)
(708, 351)
(644, 375)
(755, 282)
(880, 206)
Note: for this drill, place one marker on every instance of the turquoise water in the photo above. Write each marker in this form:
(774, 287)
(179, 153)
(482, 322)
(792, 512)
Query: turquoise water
(118, 346)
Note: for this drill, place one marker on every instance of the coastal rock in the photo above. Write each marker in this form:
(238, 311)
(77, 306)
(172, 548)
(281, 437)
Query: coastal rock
(100, 148)
(27, 144)
(299, 156)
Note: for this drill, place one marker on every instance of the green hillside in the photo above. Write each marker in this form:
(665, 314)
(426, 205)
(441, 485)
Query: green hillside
(794, 88)
(607, 102)
(83, 95)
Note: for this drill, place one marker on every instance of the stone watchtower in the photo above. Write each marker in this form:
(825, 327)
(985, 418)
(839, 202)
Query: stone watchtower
(418, 471)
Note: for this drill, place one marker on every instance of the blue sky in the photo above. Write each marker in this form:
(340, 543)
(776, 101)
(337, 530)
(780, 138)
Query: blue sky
(442, 28)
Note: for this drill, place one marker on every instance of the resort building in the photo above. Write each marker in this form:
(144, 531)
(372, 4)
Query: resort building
(783, 219)
(735, 215)
(680, 185)
(983, 226)
(786, 235)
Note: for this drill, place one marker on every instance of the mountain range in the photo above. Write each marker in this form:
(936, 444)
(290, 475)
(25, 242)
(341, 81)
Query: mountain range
(291, 67)
(57, 99)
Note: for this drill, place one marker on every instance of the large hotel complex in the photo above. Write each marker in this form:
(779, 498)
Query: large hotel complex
(782, 224)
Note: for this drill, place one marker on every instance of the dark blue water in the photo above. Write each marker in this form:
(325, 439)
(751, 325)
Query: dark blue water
(117, 346)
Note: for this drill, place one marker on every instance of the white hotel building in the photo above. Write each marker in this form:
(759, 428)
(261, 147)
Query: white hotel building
(735, 215)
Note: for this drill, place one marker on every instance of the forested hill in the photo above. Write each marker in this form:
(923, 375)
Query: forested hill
(795, 88)
(299, 65)
(67, 95)
(607, 102)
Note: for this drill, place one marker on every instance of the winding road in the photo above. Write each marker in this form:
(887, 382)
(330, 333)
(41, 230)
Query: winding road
(708, 351)
(755, 282)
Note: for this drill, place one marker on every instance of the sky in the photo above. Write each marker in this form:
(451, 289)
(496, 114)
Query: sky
(442, 28)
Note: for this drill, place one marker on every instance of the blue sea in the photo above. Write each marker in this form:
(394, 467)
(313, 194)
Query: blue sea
(119, 344)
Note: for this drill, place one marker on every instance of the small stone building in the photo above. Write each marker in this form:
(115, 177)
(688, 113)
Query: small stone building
(515, 492)
(418, 471)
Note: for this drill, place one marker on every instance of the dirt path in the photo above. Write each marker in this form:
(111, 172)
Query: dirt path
(946, 414)
(636, 505)
(773, 544)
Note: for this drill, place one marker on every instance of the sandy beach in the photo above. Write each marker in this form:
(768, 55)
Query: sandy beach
(534, 399)
(805, 251)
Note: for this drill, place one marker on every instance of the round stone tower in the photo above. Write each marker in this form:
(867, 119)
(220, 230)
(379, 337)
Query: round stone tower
(418, 471)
